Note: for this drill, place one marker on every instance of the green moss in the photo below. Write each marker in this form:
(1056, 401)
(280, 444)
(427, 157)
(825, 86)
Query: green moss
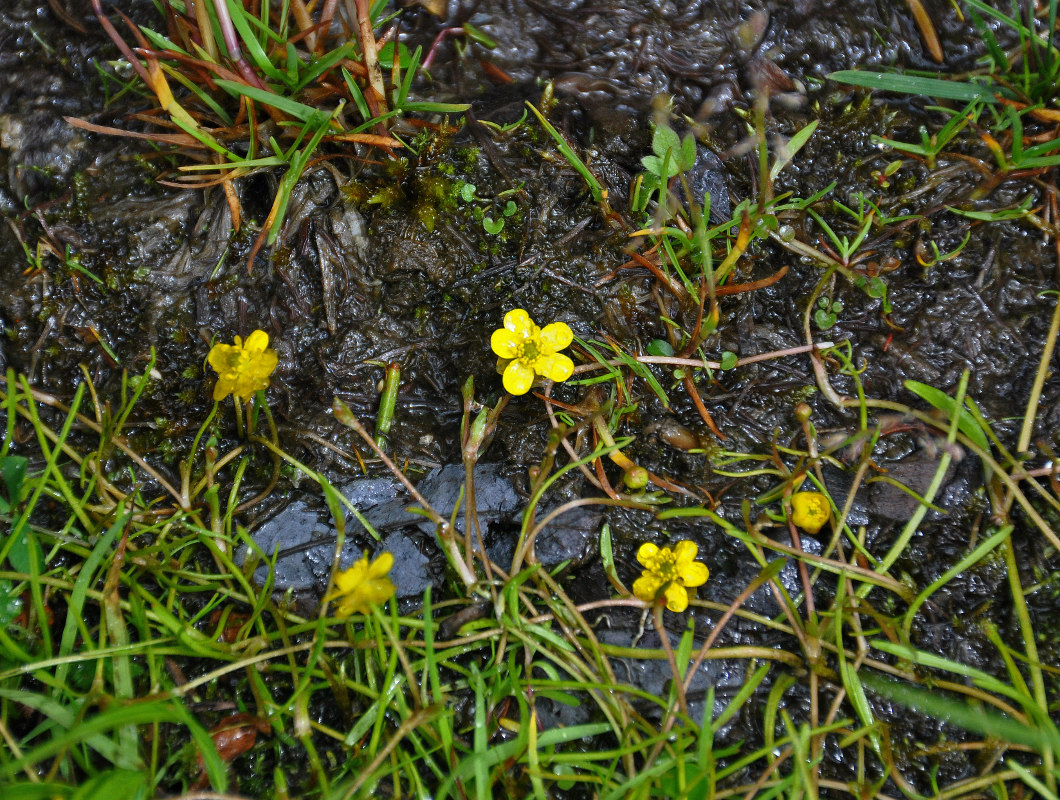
(356, 192)
(467, 157)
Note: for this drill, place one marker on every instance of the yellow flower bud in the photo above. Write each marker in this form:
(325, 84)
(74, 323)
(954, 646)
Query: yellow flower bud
(809, 510)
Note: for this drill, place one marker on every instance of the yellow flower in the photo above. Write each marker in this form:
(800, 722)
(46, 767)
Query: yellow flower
(363, 585)
(809, 510)
(670, 573)
(530, 350)
(242, 369)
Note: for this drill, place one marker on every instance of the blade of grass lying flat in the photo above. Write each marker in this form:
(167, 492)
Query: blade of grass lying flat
(319, 66)
(291, 108)
(944, 403)
(914, 84)
(426, 107)
(983, 680)
(251, 163)
(955, 712)
(160, 42)
(1028, 778)
(993, 12)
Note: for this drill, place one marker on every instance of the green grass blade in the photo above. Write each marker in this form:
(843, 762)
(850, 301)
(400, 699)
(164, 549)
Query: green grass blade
(914, 84)
(291, 108)
(199, 93)
(573, 158)
(85, 578)
(321, 65)
(974, 557)
(955, 712)
(255, 51)
(944, 403)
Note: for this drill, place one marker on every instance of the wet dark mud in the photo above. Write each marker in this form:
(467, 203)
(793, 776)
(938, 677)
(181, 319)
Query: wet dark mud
(381, 263)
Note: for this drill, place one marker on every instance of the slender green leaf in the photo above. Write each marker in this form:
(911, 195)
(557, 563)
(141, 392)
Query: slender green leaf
(292, 108)
(956, 712)
(913, 84)
(944, 403)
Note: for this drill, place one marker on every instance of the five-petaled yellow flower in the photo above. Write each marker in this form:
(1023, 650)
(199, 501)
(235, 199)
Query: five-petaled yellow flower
(809, 510)
(242, 368)
(363, 585)
(530, 351)
(669, 573)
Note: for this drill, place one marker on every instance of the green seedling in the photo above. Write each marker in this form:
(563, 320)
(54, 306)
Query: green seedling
(827, 312)
(670, 157)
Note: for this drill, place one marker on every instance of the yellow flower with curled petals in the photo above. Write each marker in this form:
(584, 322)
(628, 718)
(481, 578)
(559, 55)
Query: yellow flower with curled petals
(363, 585)
(526, 351)
(244, 367)
(809, 510)
(669, 573)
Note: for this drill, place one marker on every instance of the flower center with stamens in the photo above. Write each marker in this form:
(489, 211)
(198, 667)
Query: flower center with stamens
(666, 565)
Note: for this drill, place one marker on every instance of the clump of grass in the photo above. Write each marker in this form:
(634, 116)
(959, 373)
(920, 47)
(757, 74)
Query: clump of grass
(1010, 101)
(244, 87)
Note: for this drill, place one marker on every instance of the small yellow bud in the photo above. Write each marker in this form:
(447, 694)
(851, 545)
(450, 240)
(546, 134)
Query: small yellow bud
(635, 477)
(809, 510)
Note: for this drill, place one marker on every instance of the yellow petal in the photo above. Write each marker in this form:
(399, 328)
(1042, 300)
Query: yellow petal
(506, 344)
(377, 592)
(348, 579)
(694, 574)
(222, 389)
(684, 553)
(518, 377)
(265, 364)
(221, 356)
(647, 587)
(381, 565)
(257, 342)
(555, 337)
(676, 598)
(556, 367)
(519, 323)
(648, 555)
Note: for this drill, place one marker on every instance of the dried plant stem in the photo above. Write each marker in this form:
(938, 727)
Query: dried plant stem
(377, 96)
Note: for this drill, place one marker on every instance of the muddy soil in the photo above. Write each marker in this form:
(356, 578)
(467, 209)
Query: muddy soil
(418, 280)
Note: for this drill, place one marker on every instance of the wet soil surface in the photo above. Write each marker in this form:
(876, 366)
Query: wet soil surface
(417, 280)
